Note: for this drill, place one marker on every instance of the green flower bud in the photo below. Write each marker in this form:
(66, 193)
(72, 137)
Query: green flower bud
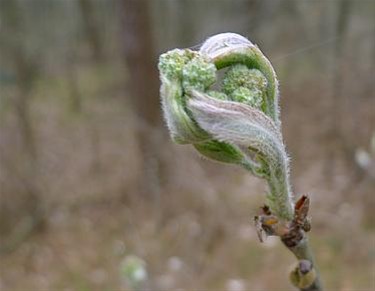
(172, 62)
(251, 97)
(303, 278)
(245, 85)
(198, 74)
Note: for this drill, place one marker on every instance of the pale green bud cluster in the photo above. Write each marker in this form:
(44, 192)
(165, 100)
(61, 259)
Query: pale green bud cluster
(181, 71)
(198, 74)
(195, 71)
(173, 62)
(245, 85)
(247, 96)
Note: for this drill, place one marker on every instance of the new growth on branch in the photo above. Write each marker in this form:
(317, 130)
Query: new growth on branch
(238, 123)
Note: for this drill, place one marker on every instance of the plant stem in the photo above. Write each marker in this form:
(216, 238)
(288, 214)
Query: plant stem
(302, 251)
(292, 232)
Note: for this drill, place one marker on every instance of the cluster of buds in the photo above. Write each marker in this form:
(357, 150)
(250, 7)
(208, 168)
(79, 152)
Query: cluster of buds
(233, 121)
(291, 232)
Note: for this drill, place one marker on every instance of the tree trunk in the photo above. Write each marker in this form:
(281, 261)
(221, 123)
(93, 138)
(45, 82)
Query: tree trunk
(335, 135)
(91, 28)
(28, 213)
(143, 88)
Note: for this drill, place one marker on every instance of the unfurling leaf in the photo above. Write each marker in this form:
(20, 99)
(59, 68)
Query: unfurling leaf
(238, 123)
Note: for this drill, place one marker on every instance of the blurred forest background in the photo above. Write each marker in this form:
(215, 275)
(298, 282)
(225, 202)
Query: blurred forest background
(89, 177)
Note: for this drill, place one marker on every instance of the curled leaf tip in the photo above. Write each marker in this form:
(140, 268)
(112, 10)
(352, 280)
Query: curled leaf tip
(222, 41)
